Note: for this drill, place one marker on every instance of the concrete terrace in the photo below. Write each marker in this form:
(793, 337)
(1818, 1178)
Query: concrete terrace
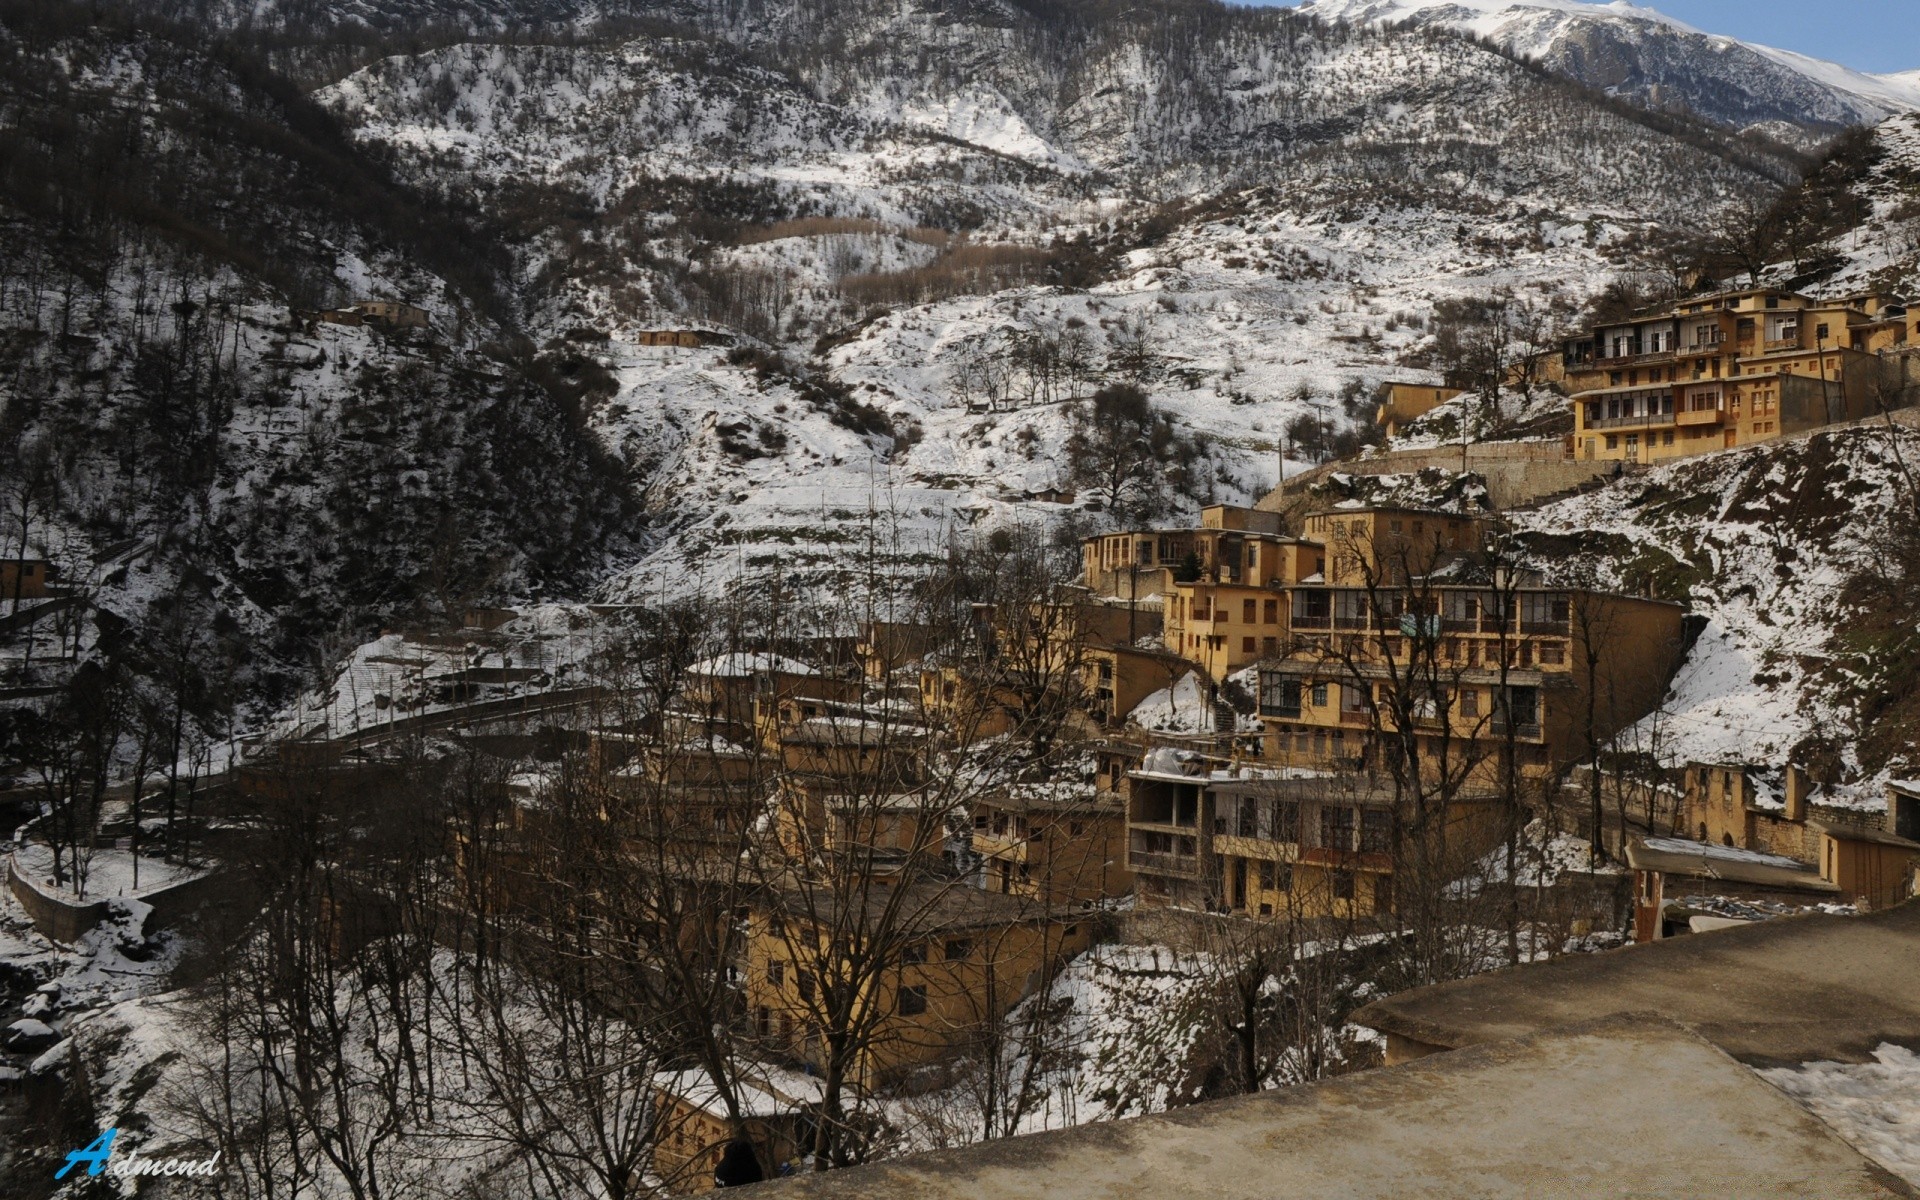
(1628, 1106)
(1773, 993)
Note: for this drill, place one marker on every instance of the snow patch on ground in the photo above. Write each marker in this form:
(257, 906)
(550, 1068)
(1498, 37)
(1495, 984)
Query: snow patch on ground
(1875, 1106)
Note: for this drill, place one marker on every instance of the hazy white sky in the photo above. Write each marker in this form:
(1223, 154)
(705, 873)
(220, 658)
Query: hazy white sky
(1868, 35)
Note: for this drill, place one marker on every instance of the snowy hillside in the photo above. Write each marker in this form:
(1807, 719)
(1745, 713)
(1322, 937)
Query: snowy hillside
(1872, 241)
(1642, 54)
(1798, 557)
(192, 448)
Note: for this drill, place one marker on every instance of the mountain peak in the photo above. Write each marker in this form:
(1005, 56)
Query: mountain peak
(1644, 55)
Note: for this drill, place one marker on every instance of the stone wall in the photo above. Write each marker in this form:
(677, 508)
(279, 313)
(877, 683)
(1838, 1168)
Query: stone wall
(62, 920)
(67, 921)
(1515, 473)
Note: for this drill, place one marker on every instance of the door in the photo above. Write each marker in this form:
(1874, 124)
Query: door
(1906, 817)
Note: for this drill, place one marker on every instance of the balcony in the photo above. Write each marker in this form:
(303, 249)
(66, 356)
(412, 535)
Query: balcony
(1185, 865)
(999, 845)
(1350, 717)
(1650, 420)
(1633, 360)
(1306, 622)
(1549, 626)
(1329, 856)
(1787, 343)
(1526, 729)
(1705, 416)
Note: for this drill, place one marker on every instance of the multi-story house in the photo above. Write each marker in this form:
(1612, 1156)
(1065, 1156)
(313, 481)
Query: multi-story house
(1223, 612)
(1226, 607)
(1052, 843)
(1148, 562)
(1862, 850)
(1204, 833)
(1480, 670)
(900, 977)
(1725, 370)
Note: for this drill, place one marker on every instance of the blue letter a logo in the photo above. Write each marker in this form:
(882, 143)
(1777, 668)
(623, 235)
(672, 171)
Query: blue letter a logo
(95, 1156)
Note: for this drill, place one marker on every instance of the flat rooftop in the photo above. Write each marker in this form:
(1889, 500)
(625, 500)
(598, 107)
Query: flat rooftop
(1773, 993)
(1630, 1106)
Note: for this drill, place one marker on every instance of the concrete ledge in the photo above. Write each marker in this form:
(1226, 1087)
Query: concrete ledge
(1630, 1106)
(1770, 993)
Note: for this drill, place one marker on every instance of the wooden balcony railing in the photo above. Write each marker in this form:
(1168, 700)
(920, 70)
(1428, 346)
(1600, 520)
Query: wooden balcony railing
(1164, 864)
(1641, 422)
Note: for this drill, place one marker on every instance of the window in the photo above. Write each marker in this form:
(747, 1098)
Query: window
(913, 1001)
(1553, 653)
(959, 949)
(803, 983)
(1343, 885)
(1523, 706)
(1247, 645)
(1272, 613)
(1247, 612)
(777, 973)
(1283, 820)
(1279, 696)
(913, 955)
(1376, 831)
(1336, 826)
(1320, 695)
(1266, 875)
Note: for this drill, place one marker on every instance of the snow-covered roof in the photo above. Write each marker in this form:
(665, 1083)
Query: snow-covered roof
(743, 663)
(1723, 853)
(762, 1090)
(1182, 708)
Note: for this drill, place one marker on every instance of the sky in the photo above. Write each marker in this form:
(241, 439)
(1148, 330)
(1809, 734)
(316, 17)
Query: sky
(1867, 35)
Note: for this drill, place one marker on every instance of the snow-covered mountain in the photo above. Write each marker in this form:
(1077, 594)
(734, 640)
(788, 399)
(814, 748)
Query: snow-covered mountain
(929, 229)
(1642, 54)
(1271, 206)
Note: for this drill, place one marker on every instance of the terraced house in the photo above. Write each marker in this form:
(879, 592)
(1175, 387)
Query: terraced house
(1729, 370)
(1469, 671)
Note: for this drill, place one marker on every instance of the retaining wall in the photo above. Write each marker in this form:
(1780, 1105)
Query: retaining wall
(1516, 473)
(67, 921)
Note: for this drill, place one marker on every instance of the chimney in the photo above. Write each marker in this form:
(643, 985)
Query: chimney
(1798, 785)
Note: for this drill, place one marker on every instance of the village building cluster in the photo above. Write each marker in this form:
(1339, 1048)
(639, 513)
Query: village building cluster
(1321, 712)
(1318, 724)
(1735, 368)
